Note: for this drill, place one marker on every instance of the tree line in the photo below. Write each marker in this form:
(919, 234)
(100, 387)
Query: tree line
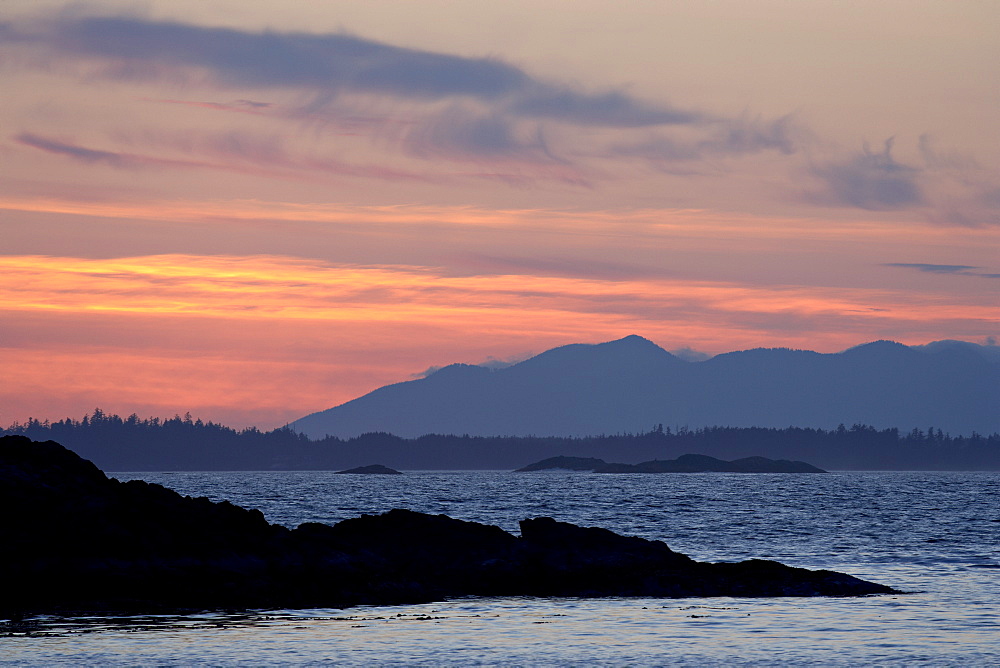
(183, 443)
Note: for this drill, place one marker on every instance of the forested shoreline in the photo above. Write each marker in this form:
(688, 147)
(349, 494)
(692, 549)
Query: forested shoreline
(183, 443)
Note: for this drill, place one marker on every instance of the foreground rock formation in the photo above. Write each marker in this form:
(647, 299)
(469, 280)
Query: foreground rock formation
(75, 541)
(683, 464)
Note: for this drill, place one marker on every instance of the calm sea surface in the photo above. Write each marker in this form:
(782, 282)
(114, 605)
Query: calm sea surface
(936, 535)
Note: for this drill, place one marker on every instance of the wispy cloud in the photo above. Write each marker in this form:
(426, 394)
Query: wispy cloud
(266, 288)
(745, 135)
(229, 151)
(612, 109)
(870, 180)
(973, 198)
(519, 165)
(459, 132)
(74, 151)
(490, 362)
(552, 265)
(453, 107)
(251, 107)
(432, 114)
(960, 269)
(933, 268)
(329, 65)
(946, 188)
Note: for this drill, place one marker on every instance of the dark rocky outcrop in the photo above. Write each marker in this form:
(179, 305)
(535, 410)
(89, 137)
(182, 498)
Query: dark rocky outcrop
(73, 541)
(706, 464)
(683, 464)
(372, 469)
(765, 465)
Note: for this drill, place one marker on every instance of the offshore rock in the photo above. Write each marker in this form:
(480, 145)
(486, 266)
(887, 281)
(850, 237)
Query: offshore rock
(683, 464)
(706, 464)
(372, 469)
(564, 463)
(76, 541)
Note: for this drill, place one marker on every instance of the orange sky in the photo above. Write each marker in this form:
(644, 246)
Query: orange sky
(271, 226)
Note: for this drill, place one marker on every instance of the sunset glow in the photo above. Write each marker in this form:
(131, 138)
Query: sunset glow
(255, 238)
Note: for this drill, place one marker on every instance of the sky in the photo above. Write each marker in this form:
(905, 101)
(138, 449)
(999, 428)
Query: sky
(251, 211)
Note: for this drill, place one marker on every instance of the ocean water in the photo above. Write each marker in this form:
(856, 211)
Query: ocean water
(933, 535)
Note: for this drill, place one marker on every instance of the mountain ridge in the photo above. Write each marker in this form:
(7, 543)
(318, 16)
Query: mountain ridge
(631, 384)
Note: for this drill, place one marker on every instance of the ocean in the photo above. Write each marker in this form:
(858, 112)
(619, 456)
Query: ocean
(934, 535)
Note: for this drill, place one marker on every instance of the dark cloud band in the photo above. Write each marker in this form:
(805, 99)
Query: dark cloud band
(933, 268)
(71, 150)
(960, 269)
(330, 64)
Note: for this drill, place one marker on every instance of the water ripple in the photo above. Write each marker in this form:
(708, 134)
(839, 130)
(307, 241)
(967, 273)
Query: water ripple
(934, 534)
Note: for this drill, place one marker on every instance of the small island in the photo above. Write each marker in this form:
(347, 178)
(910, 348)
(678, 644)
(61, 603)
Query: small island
(89, 544)
(564, 464)
(372, 469)
(683, 464)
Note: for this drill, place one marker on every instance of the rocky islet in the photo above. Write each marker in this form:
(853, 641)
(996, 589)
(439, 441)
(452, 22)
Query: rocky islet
(76, 541)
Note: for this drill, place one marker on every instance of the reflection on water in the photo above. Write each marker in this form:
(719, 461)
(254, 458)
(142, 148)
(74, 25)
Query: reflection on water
(527, 631)
(935, 534)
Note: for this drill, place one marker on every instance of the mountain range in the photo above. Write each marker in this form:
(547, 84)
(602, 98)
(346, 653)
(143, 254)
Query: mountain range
(632, 385)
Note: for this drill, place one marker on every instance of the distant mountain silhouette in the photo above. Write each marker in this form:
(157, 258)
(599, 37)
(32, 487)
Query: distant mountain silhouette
(631, 384)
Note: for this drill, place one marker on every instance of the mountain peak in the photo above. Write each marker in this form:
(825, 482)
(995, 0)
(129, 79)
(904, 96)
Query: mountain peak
(989, 353)
(631, 383)
(633, 348)
(457, 370)
(624, 352)
(880, 347)
(632, 340)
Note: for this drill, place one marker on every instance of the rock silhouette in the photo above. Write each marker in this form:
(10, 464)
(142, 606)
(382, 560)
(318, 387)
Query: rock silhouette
(683, 464)
(372, 469)
(76, 541)
(564, 463)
